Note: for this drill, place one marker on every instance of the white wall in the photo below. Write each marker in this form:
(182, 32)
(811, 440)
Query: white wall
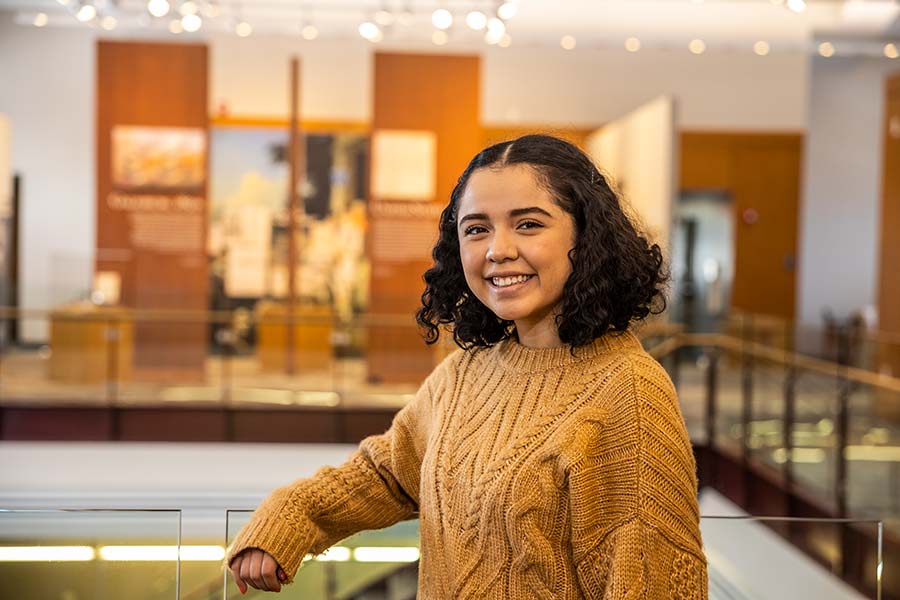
(639, 152)
(841, 195)
(716, 90)
(47, 92)
(250, 76)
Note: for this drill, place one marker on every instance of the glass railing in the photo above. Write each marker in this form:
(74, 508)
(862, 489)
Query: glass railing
(96, 554)
(350, 568)
(748, 558)
(263, 358)
(114, 554)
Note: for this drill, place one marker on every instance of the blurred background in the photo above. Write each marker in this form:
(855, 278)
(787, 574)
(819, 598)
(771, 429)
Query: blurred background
(215, 215)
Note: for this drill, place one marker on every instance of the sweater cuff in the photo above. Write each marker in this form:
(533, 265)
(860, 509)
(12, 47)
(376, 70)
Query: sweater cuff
(287, 545)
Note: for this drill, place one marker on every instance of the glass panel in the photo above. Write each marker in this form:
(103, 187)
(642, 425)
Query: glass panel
(873, 454)
(96, 554)
(766, 442)
(728, 428)
(748, 557)
(814, 434)
(349, 568)
(70, 368)
(163, 358)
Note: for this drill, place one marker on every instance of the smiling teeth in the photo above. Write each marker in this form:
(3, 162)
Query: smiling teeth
(506, 281)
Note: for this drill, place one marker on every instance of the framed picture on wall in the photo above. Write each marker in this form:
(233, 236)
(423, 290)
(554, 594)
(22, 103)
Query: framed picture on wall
(158, 158)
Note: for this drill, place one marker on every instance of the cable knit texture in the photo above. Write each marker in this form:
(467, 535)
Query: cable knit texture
(535, 473)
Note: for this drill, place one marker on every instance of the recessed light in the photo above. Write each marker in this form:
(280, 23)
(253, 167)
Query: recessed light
(826, 49)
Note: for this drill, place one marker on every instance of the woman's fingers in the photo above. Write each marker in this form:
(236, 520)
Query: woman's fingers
(269, 566)
(236, 572)
(258, 569)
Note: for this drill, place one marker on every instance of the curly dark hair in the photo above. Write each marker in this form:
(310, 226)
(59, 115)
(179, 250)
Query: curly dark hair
(617, 274)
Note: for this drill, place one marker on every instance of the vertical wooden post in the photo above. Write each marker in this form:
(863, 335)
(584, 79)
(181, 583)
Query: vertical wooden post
(296, 170)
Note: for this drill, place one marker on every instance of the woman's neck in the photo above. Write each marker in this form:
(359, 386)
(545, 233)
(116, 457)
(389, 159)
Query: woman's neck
(540, 334)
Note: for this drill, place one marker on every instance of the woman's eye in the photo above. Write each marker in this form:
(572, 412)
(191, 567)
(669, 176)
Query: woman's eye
(474, 230)
(529, 225)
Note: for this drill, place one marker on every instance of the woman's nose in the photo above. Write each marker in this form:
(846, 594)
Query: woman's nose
(502, 248)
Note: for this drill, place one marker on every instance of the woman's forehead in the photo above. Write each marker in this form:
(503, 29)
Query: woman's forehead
(504, 189)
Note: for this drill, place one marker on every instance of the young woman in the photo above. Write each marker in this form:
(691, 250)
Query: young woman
(547, 458)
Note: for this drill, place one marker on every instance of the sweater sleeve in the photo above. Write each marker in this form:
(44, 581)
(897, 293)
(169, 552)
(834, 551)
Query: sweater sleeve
(376, 487)
(633, 496)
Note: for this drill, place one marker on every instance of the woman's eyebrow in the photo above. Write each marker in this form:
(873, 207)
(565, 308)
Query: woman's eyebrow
(473, 217)
(516, 212)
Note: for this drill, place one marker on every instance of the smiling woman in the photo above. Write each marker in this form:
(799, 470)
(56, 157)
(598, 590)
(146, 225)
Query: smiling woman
(548, 457)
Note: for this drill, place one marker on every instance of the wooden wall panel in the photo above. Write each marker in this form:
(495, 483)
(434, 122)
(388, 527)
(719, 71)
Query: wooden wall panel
(432, 93)
(889, 263)
(761, 172)
(156, 85)
(494, 134)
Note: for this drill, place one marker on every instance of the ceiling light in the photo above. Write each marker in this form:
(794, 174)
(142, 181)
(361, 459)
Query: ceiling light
(108, 22)
(442, 19)
(797, 6)
(386, 554)
(505, 41)
(369, 30)
(495, 29)
(188, 7)
(86, 13)
(40, 19)
(697, 46)
(476, 20)
(384, 17)
(191, 23)
(761, 48)
(632, 44)
(309, 32)
(161, 553)
(158, 8)
(890, 50)
(335, 554)
(64, 2)
(46, 553)
(826, 49)
(567, 42)
(439, 37)
(175, 26)
(507, 10)
(243, 29)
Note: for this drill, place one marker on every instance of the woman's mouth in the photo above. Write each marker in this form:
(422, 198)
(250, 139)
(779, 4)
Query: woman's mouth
(505, 282)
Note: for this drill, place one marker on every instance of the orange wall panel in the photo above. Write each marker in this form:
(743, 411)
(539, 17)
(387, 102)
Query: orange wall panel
(440, 94)
(761, 172)
(154, 85)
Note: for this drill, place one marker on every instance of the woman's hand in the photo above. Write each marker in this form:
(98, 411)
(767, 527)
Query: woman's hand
(257, 568)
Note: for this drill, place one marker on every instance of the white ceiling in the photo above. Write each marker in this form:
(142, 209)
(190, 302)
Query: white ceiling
(727, 25)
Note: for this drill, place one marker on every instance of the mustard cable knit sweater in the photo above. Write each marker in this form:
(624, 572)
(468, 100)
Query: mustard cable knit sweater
(534, 474)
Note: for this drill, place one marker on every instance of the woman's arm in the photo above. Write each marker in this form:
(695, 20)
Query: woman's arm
(377, 487)
(633, 496)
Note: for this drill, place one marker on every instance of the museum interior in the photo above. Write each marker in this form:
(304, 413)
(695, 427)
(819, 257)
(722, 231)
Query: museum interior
(158, 379)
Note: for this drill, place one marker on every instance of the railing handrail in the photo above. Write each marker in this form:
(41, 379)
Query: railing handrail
(776, 355)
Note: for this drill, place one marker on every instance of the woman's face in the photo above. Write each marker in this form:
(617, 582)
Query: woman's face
(514, 242)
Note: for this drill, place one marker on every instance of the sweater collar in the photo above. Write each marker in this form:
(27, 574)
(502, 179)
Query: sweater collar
(513, 356)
